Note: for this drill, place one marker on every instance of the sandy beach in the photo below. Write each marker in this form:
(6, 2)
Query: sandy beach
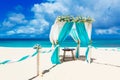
(105, 65)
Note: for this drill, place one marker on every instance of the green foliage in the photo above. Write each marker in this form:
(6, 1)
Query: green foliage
(74, 19)
(37, 46)
(65, 18)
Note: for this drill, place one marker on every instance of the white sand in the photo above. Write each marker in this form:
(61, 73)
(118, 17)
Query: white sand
(106, 65)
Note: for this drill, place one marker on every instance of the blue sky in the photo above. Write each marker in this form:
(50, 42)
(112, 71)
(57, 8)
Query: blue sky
(33, 18)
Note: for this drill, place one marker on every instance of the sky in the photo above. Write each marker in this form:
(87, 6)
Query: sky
(34, 18)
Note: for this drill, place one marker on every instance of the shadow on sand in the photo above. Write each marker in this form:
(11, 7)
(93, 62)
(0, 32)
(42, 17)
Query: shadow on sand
(107, 64)
(69, 58)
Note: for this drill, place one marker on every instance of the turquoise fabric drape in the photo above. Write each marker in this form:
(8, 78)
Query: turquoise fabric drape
(65, 31)
(87, 54)
(77, 51)
(80, 27)
(55, 57)
(82, 33)
(62, 35)
(74, 35)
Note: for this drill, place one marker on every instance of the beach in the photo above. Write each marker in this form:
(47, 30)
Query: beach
(105, 65)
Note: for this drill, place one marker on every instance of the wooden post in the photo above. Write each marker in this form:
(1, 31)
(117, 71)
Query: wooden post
(38, 62)
(37, 47)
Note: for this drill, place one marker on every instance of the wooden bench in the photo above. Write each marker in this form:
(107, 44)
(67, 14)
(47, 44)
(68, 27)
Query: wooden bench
(67, 49)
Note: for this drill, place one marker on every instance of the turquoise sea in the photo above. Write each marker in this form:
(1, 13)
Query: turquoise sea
(46, 43)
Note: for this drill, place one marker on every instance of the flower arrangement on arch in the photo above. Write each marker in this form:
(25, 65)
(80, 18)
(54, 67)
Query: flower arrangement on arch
(75, 19)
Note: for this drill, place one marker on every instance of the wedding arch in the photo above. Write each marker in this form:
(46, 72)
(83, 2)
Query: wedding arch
(79, 28)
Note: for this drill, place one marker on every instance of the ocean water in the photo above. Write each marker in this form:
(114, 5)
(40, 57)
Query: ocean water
(46, 43)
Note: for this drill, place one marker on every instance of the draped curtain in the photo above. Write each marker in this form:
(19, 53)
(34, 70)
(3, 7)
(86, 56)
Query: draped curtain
(84, 33)
(88, 27)
(57, 35)
(55, 30)
(75, 37)
(80, 32)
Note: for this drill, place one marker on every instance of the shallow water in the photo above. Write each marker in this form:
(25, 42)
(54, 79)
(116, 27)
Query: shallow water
(46, 43)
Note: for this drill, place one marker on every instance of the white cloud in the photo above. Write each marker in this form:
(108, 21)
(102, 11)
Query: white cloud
(38, 23)
(33, 27)
(10, 32)
(26, 30)
(21, 25)
(45, 14)
(43, 9)
(98, 9)
(17, 18)
(21, 30)
(112, 30)
(8, 23)
(14, 19)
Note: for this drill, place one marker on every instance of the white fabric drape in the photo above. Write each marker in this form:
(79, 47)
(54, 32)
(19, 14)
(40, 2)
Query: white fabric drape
(55, 30)
(80, 32)
(59, 32)
(75, 37)
(88, 27)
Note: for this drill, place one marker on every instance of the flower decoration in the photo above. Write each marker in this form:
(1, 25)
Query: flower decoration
(37, 46)
(89, 19)
(72, 19)
(65, 18)
(83, 19)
